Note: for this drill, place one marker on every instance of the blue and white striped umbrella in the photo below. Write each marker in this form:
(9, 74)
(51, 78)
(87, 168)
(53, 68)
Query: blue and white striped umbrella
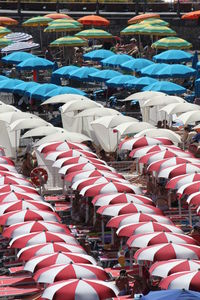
(18, 37)
(20, 46)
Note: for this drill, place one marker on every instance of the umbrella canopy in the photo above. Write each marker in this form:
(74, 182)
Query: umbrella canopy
(97, 112)
(17, 186)
(65, 21)
(140, 152)
(167, 87)
(188, 280)
(34, 226)
(163, 100)
(194, 198)
(166, 268)
(193, 15)
(65, 71)
(4, 31)
(35, 64)
(138, 142)
(8, 85)
(82, 74)
(104, 75)
(116, 60)
(94, 20)
(177, 108)
(63, 91)
(84, 167)
(189, 188)
(178, 181)
(4, 42)
(60, 272)
(164, 134)
(188, 117)
(17, 57)
(61, 162)
(78, 175)
(173, 56)
(80, 184)
(46, 260)
(24, 204)
(26, 124)
(69, 41)
(62, 27)
(167, 251)
(19, 46)
(142, 17)
(94, 34)
(79, 105)
(143, 96)
(64, 98)
(152, 69)
(19, 37)
(176, 71)
(139, 83)
(37, 21)
(148, 239)
(157, 30)
(8, 21)
(132, 29)
(185, 168)
(24, 87)
(132, 127)
(40, 91)
(154, 21)
(136, 64)
(171, 42)
(55, 155)
(172, 294)
(56, 16)
(97, 55)
(61, 146)
(119, 81)
(69, 289)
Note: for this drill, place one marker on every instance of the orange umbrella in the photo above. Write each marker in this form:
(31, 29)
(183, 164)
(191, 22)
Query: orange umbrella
(142, 17)
(56, 16)
(193, 15)
(94, 20)
(7, 21)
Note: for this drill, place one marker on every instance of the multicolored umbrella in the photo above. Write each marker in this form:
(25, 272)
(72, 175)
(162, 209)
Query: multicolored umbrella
(59, 163)
(55, 155)
(56, 16)
(94, 20)
(157, 30)
(142, 17)
(185, 168)
(7, 21)
(138, 142)
(4, 42)
(78, 175)
(19, 46)
(94, 34)
(37, 21)
(57, 258)
(4, 31)
(172, 43)
(80, 288)
(154, 21)
(194, 199)
(61, 146)
(157, 155)
(10, 178)
(80, 184)
(24, 204)
(15, 196)
(142, 151)
(19, 37)
(60, 27)
(65, 21)
(69, 41)
(189, 188)
(168, 267)
(7, 188)
(132, 29)
(84, 167)
(178, 181)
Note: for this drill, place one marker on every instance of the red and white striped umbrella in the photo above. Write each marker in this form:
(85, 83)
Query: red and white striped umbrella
(28, 215)
(6, 167)
(140, 152)
(146, 227)
(2, 152)
(60, 272)
(168, 153)
(14, 196)
(188, 280)
(6, 160)
(121, 209)
(126, 219)
(78, 175)
(34, 238)
(109, 187)
(167, 251)
(54, 155)
(148, 239)
(46, 260)
(138, 142)
(178, 181)
(24, 204)
(84, 167)
(18, 188)
(158, 165)
(80, 184)
(186, 168)
(194, 199)
(11, 175)
(47, 248)
(34, 226)
(116, 198)
(59, 163)
(61, 146)
(189, 188)
(168, 267)
(80, 289)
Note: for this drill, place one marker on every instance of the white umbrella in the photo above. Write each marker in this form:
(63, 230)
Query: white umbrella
(42, 131)
(79, 105)
(63, 136)
(159, 132)
(10, 117)
(189, 117)
(112, 121)
(162, 100)
(64, 98)
(177, 108)
(27, 123)
(98, 112)
(143, 96)
(7, 108)
(132, 127)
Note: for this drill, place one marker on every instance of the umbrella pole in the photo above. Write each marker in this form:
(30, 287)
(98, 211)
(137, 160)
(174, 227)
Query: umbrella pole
(94, 216)
(190, 215)
(16, 144)
(40, 37)
(102, 231)
(179, 206)
(112, 237)
(86, 211)
(131, 258)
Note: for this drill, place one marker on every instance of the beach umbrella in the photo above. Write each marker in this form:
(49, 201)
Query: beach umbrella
(40, 91)
(78, 175)
(188, 280)
(37, 63)
(17, 187)
(173, 56)
(6, 167)
(157, 30)
(104, 75)
(154, 21)
(142, 240)
(24, 204)
(65, 21)
(194, 198)
(167, 251)
(17, 57)
(69, 41)
(84, 167)
(46, 260)
(82, 74)
(193, 15)
(27, 215)
(94, 20)
(160, 133)
(55, 155)
(116, 60)
(188, 189)
(47, 248)
(34, 238)
(56, 16)
(34, 226)
(24, 87)
(78, 159)
(168, 267)
(172, 42)
(80, 288)
(132, 29)
(19, 46)
(60, 272)
(167, 87)
(115, 198)
(188, 117)
(121, 209)
(13, 176)
(152, 69)
(130, 218)
(4, 31)
(80, 184)
(109, 187)
(98, 55)
(4, 42)
(132, 127)
(177, 108)
(94, 34)
(140, 152)
(143, 96)
(142, 17)
(63, 91)
(61, 146)
(185, 168)
(146, 227)
(139, 83)
(119, 81)
(176, 71)
(19, 37)
(62, 27)
(136, 64)
(132, 143)
(65, 71)
(178, 181)
(97, 112)
(8, 85)
(7, 21)
(172, 294)
(6, 160)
